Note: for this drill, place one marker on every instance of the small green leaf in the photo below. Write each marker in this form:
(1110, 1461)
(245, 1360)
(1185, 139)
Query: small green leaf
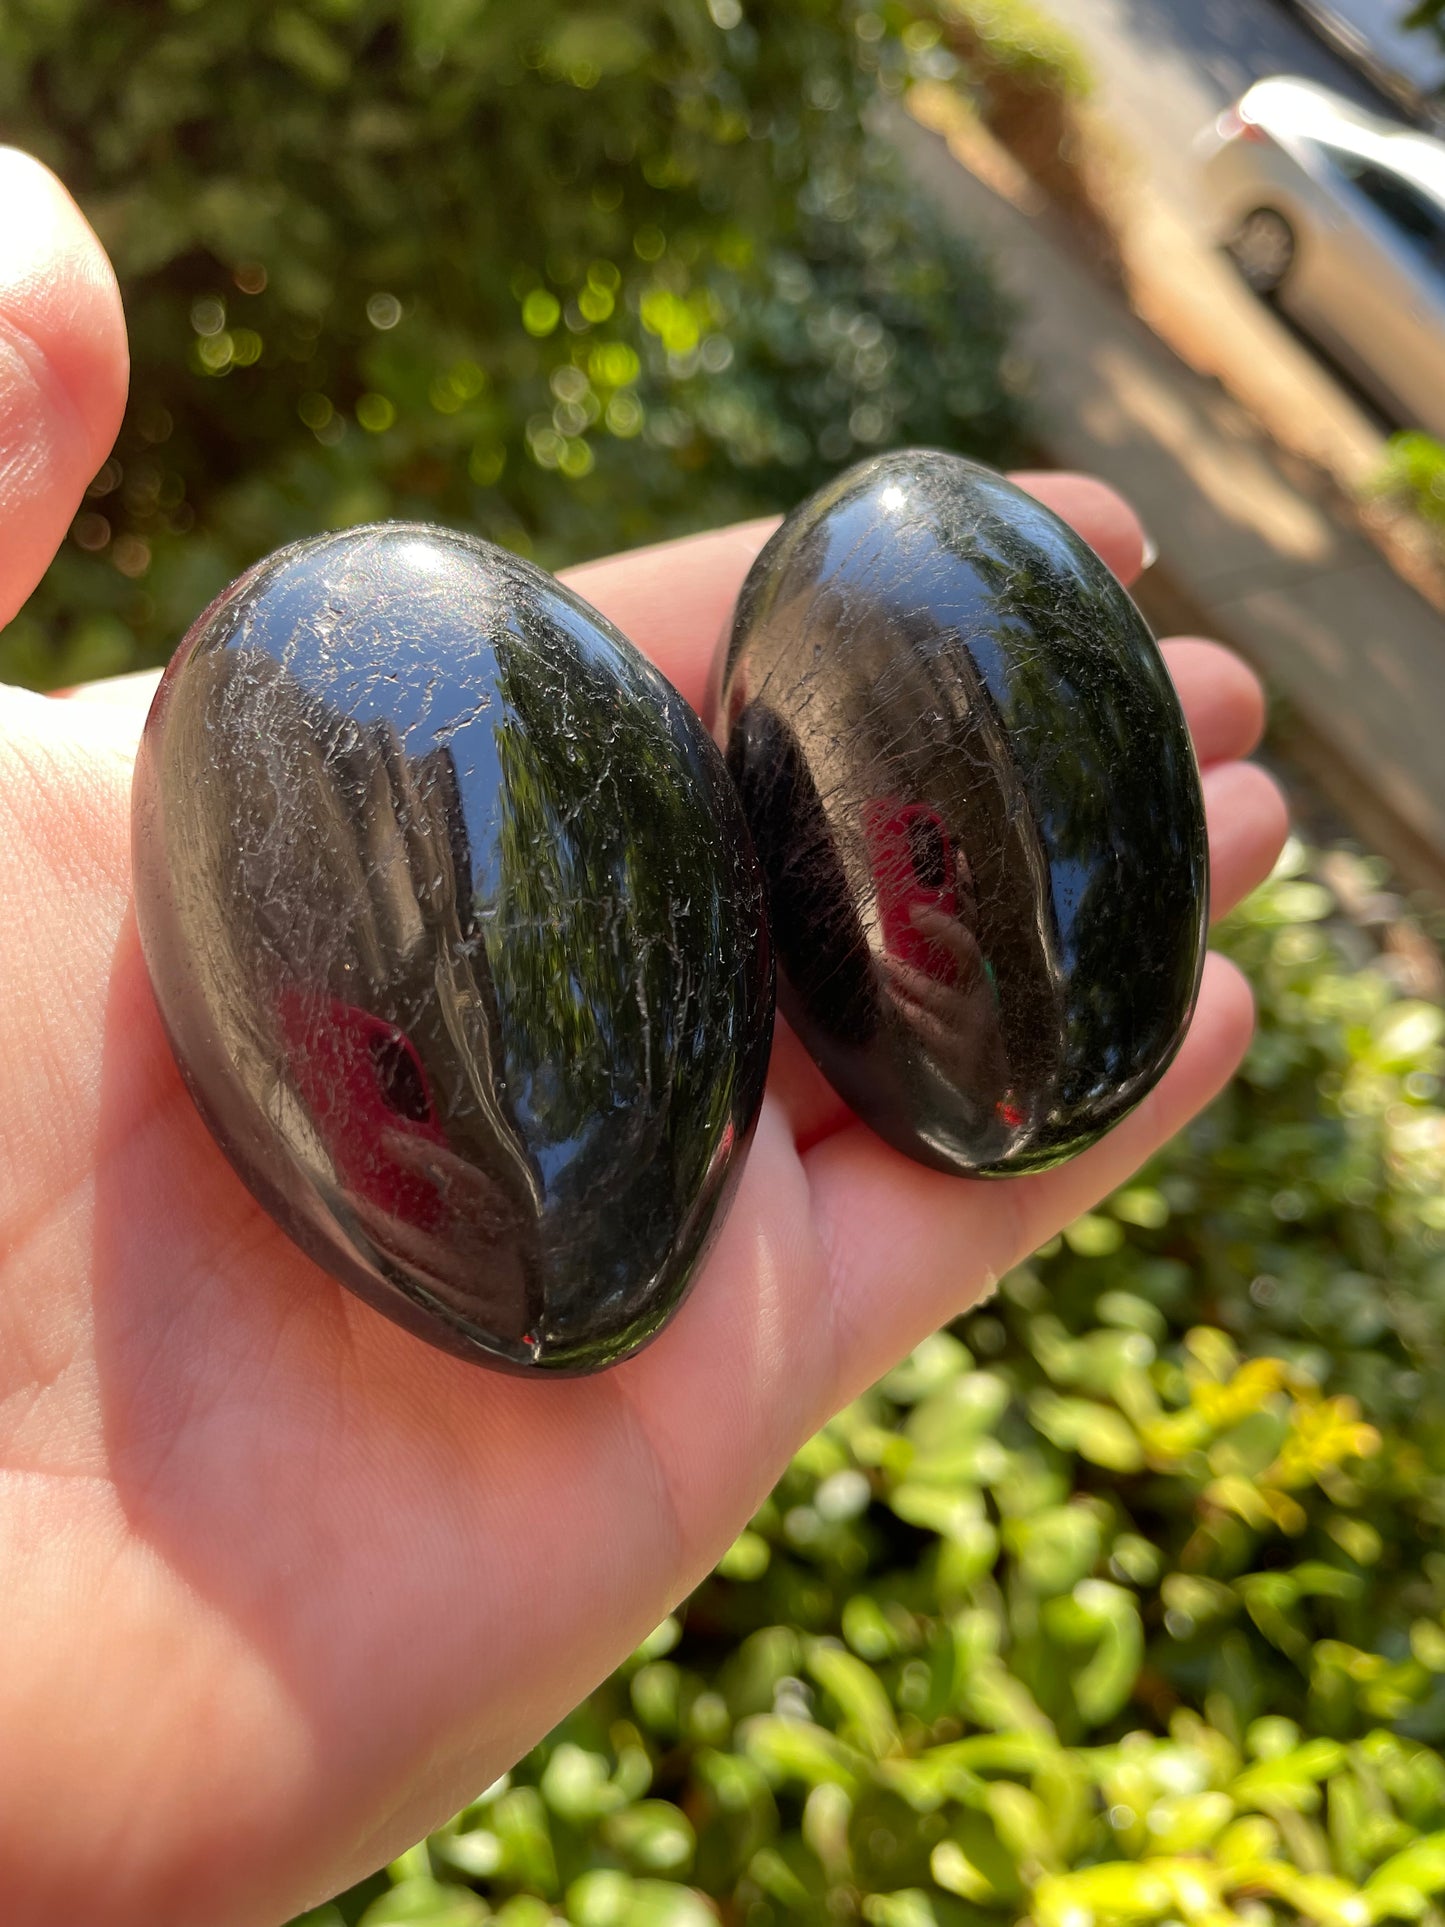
(1093, 1236)
(867, 1712)
(654, 1836)
(788, 1749)
(1096, 1432)
(1292, 1779)
(424, 1902)
(746, 1559)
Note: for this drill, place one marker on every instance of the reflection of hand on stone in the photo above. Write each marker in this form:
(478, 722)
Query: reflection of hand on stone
(471, 1236)
(953, 1013)
(377, 1574)
(955, 935)
(469, 1200)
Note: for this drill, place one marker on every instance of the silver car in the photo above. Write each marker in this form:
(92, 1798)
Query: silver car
(1339, 215)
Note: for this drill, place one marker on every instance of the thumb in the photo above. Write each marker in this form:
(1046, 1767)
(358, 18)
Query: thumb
(63, 368)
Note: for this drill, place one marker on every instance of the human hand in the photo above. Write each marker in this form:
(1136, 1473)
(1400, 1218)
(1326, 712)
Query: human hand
(284, 1586)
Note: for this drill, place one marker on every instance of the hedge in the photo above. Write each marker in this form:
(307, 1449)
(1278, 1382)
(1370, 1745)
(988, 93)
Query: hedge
(571, 277)
(1122, 1601)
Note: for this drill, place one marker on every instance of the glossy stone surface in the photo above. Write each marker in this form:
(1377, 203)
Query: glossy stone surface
(457, 933)
(977, 808)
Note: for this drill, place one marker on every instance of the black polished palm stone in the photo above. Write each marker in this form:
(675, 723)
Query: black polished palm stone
(458, 937)
(978, 812)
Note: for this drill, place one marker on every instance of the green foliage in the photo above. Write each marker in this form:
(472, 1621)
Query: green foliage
(570, 277)
(1413, 474)
(1120, 1602)
(1022, 41)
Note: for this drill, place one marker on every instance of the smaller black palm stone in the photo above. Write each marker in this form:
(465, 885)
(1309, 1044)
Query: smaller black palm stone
(973, 794)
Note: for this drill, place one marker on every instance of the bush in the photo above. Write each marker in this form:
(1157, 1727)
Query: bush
(1029, 82)
(1017, 39)
(1413, 474)
(1121, 1602)
(573, 278)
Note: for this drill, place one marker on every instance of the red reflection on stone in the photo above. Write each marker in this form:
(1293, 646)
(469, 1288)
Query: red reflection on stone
(367, 1093)
(912, 859)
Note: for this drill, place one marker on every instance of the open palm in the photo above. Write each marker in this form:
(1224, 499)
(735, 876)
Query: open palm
(283, 1586)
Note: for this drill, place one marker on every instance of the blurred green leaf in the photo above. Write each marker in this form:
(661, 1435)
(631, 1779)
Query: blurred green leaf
(867, 1714)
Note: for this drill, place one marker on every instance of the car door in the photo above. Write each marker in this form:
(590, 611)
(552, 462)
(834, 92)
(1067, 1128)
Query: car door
(1383, 297)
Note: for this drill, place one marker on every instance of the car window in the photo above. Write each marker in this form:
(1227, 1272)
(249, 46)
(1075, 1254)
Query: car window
(1411, 212)
(1378, 28)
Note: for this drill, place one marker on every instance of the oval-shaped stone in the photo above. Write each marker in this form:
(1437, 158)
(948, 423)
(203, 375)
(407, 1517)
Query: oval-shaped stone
(458, 937)
(975, 801)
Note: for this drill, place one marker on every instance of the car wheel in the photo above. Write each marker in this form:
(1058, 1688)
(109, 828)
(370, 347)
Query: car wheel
(1263, 249)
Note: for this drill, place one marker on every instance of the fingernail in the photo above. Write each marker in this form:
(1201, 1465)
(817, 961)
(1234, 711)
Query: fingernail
(1151, 551)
